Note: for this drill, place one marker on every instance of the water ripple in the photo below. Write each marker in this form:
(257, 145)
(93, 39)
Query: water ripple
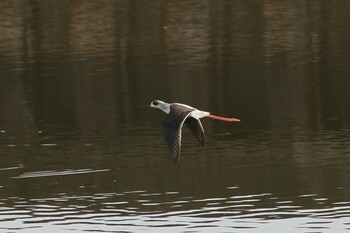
(58, 173)
(140, 210)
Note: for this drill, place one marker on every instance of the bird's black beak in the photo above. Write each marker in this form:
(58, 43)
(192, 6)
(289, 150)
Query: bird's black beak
(145, 106)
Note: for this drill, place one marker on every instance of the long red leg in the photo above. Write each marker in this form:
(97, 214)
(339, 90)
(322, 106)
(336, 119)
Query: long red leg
(223, 118)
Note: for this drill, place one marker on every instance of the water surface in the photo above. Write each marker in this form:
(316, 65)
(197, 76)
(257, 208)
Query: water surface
(78, 154)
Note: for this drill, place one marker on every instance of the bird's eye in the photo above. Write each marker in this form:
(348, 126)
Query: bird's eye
(155, 103)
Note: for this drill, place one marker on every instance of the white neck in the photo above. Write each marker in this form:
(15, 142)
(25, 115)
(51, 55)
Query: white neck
(165, 107)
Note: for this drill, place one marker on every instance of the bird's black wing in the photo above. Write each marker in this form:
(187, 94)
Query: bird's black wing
(172, 128)
(196, 128)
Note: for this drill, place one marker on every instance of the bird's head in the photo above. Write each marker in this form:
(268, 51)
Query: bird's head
(165, 107)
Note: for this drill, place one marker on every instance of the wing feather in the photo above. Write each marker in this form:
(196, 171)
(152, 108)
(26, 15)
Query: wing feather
(196, 128)
(172, 128)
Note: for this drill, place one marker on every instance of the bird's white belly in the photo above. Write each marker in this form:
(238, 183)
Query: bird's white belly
(195, 113)
(198, 114)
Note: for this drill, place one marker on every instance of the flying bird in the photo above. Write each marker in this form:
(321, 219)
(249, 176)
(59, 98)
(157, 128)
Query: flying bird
(177, 115)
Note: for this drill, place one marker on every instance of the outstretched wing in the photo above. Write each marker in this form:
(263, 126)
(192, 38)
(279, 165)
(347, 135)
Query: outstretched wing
(196, 128)
(172, 128)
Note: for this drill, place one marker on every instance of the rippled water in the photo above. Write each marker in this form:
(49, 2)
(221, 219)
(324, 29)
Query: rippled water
(265, 182)
(232, 213)
(79, 154)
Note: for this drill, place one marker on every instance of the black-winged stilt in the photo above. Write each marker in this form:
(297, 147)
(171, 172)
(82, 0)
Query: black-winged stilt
(177, 115)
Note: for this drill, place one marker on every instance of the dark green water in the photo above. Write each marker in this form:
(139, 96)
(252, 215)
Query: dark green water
(78, 154)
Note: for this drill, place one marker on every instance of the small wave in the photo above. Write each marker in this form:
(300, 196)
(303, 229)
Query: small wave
(58, 173)
(11, 168)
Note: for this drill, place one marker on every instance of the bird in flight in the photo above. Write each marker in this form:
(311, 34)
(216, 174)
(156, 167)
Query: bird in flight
(179, 114)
